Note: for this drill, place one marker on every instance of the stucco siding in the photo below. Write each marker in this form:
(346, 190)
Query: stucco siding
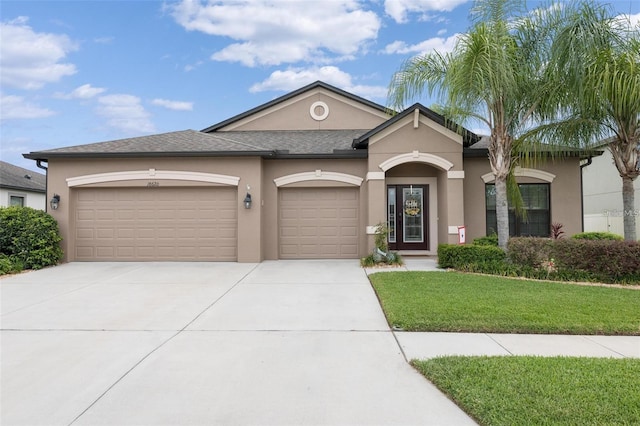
(565, 194)
(274, 169)
(248, 170)
(296, 114)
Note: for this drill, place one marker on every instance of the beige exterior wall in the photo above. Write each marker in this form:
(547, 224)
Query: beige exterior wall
(565, 194)
(422, 152)
(413, 150)
(274, 169)
(247, 169)
(295, 114)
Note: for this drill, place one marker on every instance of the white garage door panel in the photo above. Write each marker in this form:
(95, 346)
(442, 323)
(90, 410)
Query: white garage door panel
(316, 223)
(156, 224)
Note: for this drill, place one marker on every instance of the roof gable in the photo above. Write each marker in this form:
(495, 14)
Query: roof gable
(468, 138)
(296, 109)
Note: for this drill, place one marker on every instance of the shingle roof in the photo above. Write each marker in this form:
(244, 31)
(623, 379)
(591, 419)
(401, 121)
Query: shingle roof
(299, 141)
(480, 149)
(14, 177)
(191, 142)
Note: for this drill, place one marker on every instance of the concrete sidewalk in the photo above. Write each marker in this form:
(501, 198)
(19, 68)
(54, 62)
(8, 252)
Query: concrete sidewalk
(429, 345)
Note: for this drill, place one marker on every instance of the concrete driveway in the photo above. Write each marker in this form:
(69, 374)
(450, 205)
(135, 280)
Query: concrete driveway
(276, 343)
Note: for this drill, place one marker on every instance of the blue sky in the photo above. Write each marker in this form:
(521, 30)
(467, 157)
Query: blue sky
(76, 72)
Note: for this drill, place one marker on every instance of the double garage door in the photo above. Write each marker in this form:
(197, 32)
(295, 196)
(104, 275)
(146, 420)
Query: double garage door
(145, 224)
(200, 224)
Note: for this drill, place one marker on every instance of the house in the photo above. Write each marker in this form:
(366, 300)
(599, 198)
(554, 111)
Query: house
(307, 175)
(21, 187)
(602, 194)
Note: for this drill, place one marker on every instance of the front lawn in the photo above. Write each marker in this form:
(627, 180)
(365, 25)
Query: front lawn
(537, 391)
(456, 302)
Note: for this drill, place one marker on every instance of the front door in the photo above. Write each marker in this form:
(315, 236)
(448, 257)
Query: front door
(407, 213)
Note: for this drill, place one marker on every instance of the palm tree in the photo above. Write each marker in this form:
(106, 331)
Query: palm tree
(598, 58)
(493, 75)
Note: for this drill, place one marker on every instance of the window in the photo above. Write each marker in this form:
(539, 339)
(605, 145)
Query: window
(16, 200)
(535, 197)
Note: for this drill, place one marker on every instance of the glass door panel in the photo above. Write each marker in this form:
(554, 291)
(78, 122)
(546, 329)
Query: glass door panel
(407, 217)
(413, 213)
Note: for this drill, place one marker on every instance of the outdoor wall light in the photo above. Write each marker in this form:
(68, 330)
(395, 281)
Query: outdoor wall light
(247, 201)
(55, 201)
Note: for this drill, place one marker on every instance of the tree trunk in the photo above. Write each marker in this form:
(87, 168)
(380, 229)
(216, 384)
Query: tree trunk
(502, 211)
(628, 209)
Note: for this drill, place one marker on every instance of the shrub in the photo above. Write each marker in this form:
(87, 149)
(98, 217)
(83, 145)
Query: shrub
(598, 236)
(461, 256)
(489, 240)
(576, 259)
(529, 251)
(7, 266)
(29, 238)
(609, 260)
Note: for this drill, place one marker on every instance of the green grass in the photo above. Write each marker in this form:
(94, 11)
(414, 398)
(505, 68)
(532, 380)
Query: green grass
(540, 391)
(456, 302)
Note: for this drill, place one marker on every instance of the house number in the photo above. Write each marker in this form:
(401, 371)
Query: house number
(153, 184)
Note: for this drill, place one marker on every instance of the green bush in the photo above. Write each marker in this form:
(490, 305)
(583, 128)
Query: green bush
(7, 266)
(460, 256)
(610, 259)
(598, 236)
(578, 259)
(489, 240)
(29, 238)
(529, 251)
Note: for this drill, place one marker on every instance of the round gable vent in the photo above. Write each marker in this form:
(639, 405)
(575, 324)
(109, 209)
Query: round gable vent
(319, 111)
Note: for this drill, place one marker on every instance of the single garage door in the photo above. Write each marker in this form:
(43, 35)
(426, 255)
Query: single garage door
(156, 224)
(317, 223)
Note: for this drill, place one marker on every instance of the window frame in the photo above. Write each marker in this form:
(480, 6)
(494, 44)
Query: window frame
(15, 195)
(516, 224)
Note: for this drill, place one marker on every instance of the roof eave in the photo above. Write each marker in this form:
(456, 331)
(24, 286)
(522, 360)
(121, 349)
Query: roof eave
(20, 188)
(46, 156)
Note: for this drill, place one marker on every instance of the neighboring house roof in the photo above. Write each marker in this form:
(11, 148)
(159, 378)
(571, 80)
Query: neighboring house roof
(317, 84)
(468, 138)
(14, 177)
(234, 143)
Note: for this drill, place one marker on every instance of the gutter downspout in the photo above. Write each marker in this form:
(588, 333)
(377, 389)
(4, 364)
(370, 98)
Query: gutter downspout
(46, 184)
(582, 166)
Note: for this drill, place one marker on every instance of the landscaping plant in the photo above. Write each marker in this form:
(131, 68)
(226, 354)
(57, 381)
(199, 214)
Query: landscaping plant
(29, 239)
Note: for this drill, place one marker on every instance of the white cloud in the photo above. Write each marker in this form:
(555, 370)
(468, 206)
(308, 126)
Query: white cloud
(174, 105)
(125, 113)
(15, 107)
(440, 44)
(86, 91)
(399, 9)
(295, 78)
(442, 32)
(31, 59)
(272, 33)
(634, 20)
